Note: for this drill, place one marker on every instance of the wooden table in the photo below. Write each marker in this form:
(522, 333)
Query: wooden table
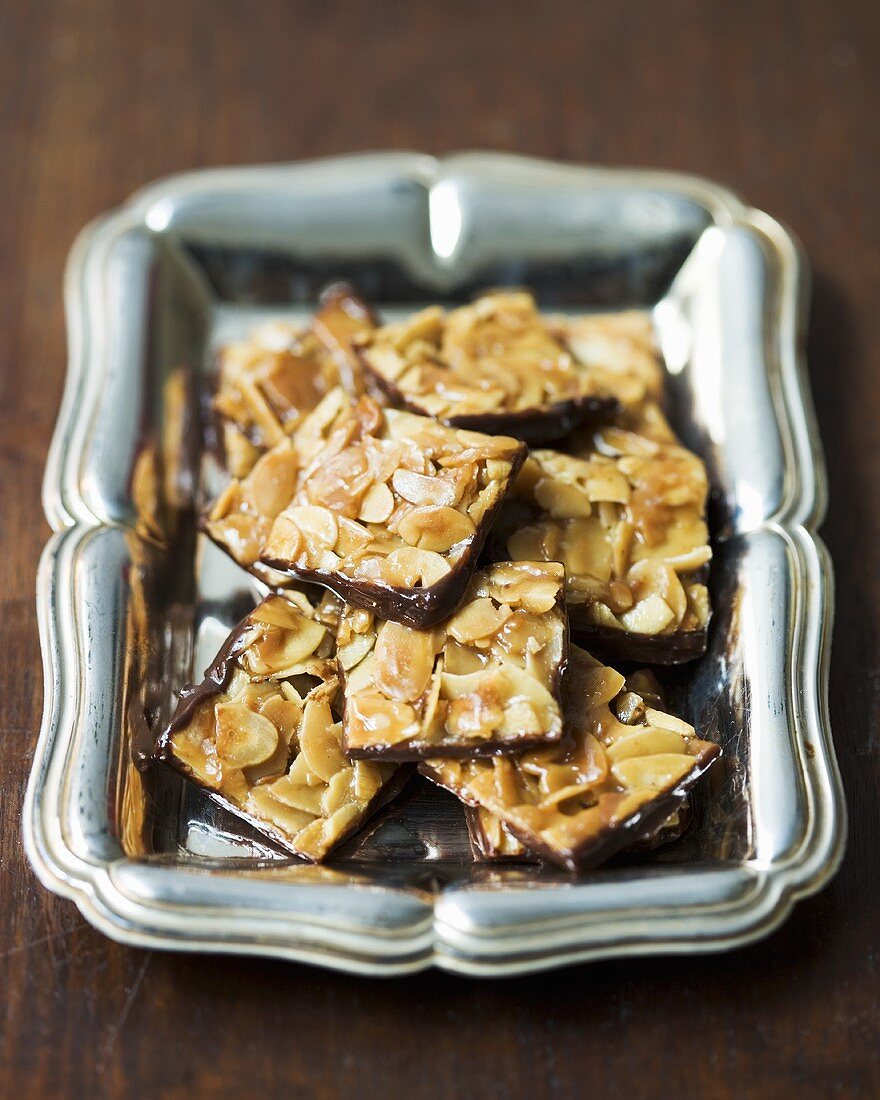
(779, 100)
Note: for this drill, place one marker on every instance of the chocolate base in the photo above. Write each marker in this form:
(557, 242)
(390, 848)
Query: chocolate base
(414, 751)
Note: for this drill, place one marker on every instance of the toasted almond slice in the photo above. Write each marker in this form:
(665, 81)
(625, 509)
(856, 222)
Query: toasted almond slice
(373, 718)
(425, 566)
(282, 611)
(503, 686)
(657, 772)
(562, 501)
(353, 537)
(300, 774)
(649, 577)
(298, 796)
(317, 524)
(338, 792)
(404, 660)
(661, 720)
(377, 504)
(285, 541)
(270, 486)
(573, 790)
(241, 534)
(504, 781)
(691, 560)
(244, 738)
(460, 659)
(285, 715)
(436, 529)
(650, 616)
(368, 779)
(591, 685)
(316, 839)
(646, 742)
(528, 544)
(481, 618)
(353, 652)
(319, 740)
(280, 650)
(607, 483)
(472, 716)
(263, 805)
(419, 489)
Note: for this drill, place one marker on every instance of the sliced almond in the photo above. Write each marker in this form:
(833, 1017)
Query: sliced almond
(242, 535)
(404, 660)
(436, 529)
(419, 489)
(646, 742)
(319, 740)
(285, 541)
(244, 738)
(282, 650)
(353, 652)
(318, 525)
(650, 616)
(285, 612)
(377, 504)
(338, 792)
(368, 780)
(271, 484)
(661, 720)
(479, 618)
(412, 567)
(373, 719)
(562, 501)
(298, 796)
(263, 805)
(658, 772)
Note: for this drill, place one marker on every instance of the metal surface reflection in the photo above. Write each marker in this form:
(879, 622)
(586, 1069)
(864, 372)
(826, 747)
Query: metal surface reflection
(133, 603)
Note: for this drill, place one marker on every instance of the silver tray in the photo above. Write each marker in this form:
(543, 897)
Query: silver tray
(132, 603)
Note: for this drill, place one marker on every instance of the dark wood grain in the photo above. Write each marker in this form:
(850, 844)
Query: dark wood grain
(781, 101)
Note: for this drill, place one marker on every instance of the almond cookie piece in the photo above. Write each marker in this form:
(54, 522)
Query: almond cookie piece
(496, 365)
(626, 516)
(622, 770)
(487, 680)
(492, 840)
(261, 733)
(387, 509)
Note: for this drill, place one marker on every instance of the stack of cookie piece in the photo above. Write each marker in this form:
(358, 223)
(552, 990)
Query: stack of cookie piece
(430, 575)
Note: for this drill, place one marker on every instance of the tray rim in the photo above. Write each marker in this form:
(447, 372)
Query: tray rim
(449, 940)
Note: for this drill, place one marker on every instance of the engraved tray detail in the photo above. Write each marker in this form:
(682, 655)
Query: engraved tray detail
(132, 603)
